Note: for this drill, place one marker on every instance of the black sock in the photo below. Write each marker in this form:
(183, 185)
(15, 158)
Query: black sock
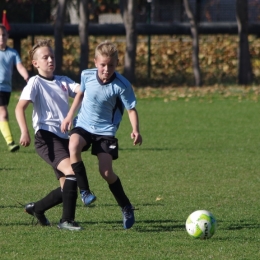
(81, 175)
(69, 196)
(52, 199)
(117, 189)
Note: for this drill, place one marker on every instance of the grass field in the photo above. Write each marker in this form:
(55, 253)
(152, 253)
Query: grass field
(197, 154)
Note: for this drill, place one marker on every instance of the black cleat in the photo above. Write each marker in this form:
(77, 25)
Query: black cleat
(29, 208)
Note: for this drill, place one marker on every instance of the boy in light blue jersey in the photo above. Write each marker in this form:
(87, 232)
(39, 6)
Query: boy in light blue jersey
(103, 96)
(8, 59)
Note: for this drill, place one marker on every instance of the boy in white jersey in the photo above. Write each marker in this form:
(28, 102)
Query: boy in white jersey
(103, 95)
(8, 59)
(50, 97)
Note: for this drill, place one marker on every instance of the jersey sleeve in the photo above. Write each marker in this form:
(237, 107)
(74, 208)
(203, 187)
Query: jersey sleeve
(127, 97)
(17, 57)
(72, 85)
(29, 91)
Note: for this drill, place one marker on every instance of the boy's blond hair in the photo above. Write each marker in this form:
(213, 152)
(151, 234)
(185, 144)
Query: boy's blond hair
(107, 49)
(39, 43)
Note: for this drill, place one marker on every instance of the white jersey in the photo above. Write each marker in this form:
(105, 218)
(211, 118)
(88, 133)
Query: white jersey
(50, 100)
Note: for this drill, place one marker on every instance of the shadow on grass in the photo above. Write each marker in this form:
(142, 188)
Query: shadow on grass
(158, 226)
(7, 169)
(243, 226)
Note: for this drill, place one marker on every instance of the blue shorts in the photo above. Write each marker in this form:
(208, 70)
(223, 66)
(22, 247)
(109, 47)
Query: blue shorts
(4, 98)
(99, 143)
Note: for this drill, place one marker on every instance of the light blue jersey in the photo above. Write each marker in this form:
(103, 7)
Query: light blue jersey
(103, 103)
(8, 59)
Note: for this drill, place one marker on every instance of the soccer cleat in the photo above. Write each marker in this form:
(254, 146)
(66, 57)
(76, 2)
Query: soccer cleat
(87, 197)
(69, 225)
(29, 208)
(12, 147)
(128, 216)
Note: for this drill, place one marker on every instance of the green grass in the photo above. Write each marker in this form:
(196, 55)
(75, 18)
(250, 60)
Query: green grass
(200, 154)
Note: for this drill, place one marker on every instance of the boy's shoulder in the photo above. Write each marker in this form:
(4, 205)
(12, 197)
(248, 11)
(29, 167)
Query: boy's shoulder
(89, 72)
(121, 80)
(11, 50)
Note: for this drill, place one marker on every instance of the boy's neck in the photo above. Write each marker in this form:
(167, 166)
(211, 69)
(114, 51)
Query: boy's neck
(47, 78)
(3, 47)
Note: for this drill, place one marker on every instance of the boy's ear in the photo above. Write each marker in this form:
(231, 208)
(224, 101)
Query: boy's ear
(34, 63)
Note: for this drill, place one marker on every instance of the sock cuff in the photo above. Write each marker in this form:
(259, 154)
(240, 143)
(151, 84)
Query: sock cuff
(78, 167)
(115, 183)
(71, 177)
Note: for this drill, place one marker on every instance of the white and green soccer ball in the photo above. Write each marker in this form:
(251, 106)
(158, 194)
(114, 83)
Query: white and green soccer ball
(201, 224)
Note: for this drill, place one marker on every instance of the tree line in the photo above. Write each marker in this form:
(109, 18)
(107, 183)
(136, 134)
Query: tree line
(81, 11)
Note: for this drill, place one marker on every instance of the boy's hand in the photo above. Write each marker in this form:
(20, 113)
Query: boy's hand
(25, 139)
(66, 125)
(137, 138)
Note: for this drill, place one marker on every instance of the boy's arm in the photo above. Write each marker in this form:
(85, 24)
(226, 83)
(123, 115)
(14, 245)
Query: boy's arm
(133, 117)
(25, 139)
(22, 70)
(77, 89)
(67, 122)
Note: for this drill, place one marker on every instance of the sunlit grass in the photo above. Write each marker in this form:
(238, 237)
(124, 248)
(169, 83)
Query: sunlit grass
(198, 152)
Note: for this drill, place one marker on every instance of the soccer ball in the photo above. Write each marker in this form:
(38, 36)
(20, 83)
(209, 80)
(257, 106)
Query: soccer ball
(201, 224)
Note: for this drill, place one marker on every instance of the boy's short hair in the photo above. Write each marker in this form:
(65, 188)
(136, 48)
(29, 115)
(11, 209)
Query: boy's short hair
(107, 49)
(3, 27)
(39, 43)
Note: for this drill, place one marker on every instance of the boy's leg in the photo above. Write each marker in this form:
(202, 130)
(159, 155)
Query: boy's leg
(38, 208)
(69, 197)
(6, 132)
(76, 144)
(4, 125)
(115, 186)
(87, 196)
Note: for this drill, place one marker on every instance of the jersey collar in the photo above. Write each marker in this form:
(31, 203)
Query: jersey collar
(46, 78)
(110, 80)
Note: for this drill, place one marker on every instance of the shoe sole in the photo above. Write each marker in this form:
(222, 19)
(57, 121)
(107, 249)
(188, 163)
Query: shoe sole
(92, 201)
(70, 228)
(14, 149)
(44, 225)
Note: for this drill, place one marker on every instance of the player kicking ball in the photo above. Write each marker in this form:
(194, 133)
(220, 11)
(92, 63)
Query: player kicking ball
(103, 96)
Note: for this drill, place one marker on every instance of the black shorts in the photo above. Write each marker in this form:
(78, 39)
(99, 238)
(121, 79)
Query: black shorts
(4, 98)
(99, 143)
(52, 149)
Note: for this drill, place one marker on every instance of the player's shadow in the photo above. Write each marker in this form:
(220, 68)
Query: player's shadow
(148, 149)
(10, 206)
(240, 226)
(150, 226)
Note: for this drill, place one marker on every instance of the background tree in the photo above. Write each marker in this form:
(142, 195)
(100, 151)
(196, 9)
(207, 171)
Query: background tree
(83, 34)
(73, 10)
(128, 10)
(195, 42)
(58, 34)
(245, 74)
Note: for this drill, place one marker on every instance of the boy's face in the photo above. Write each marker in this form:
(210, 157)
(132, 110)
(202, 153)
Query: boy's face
(3, 39)
(44, 61)
(106, 67)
